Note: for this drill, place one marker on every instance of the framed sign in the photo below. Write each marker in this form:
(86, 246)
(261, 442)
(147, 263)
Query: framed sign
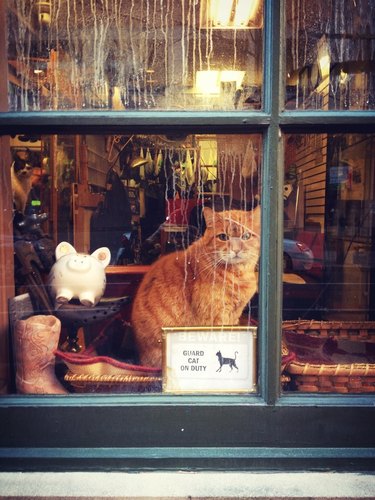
(209, 359)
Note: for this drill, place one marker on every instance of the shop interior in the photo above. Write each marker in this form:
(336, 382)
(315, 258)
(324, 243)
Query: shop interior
(142, 195)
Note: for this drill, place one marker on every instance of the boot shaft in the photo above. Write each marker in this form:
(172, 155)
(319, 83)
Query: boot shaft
(35, 340)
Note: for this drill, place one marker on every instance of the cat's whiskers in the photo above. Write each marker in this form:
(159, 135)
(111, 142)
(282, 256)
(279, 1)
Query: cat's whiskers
(211, 267)
(206, 270)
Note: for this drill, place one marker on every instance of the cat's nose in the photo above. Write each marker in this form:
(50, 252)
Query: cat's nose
(236, 247)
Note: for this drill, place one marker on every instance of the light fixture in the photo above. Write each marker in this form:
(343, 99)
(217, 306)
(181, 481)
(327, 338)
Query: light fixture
(44, 12)
(39, 65)
(231, 14)
(220, 12)
(245, 10)
(236, 76)
(207, 82)
(324, 64)
(210, 81)
(344, 77)
(324, 57)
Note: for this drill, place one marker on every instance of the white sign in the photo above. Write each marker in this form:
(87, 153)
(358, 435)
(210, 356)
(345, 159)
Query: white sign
(214, 360)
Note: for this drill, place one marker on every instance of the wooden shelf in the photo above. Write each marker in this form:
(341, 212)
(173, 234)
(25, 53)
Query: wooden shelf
(111, 270)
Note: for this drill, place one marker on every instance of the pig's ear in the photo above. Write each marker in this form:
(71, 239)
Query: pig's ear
(64, 248)
(103, 255)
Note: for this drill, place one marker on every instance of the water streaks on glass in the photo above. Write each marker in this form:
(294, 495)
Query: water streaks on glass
(127, 54)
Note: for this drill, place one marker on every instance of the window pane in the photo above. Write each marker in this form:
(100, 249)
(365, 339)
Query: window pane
(139, 55)
(330, 54)
(329, 243)
(178, 214)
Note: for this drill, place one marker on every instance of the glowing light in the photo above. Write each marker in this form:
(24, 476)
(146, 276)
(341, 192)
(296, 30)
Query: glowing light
(220, 12)
(230, 13)
(245, 10)
(323, 57)
(232, 76)
(207, 82)
(324, 63)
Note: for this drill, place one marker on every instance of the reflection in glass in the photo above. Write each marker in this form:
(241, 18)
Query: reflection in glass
(330, 55)
(329, 241)
(180, 209)
(72, 54)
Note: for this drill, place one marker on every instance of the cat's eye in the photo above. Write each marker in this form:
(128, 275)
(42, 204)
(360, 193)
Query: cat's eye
(223, 237)
(246, 236)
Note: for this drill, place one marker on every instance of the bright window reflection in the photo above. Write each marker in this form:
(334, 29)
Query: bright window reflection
(330, 54)
(73, 54)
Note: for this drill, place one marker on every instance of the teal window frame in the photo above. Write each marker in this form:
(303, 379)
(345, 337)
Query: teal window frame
(266, 431)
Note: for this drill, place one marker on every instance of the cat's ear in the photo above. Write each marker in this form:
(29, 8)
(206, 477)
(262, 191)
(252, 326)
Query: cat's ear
(255, 219)
(208, 214)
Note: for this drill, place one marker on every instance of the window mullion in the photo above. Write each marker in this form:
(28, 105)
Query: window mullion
(272, 219)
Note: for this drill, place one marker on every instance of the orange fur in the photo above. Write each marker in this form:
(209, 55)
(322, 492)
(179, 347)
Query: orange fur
(208, 284)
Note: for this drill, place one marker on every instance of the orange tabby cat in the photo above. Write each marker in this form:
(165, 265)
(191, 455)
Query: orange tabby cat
(208, 284)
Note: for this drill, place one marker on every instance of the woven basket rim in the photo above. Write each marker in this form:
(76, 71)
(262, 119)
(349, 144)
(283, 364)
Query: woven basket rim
(347, 369)
(111, 379)
(327, 324)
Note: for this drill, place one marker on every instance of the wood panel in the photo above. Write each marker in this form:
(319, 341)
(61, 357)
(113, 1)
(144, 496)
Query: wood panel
(84, 204)
(311, 162)
(6, 207)
(84, 201)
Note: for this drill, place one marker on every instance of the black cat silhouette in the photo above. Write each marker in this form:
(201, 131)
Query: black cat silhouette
(226, 361)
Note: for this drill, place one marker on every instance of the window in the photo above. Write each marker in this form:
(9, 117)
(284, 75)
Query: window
(186, 90)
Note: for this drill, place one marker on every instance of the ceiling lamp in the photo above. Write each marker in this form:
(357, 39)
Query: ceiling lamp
(245, 11)
(44, 12)
(207, 82)
(210, 81)
(324, 58)
(231, 14)
(220, 12)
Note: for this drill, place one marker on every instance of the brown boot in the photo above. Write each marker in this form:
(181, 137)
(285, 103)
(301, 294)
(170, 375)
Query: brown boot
(35, 340)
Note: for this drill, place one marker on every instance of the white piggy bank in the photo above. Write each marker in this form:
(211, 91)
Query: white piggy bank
(78, 275)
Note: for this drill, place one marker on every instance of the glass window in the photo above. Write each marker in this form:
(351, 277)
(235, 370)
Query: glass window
(328, 306)
(330, 55)
(142, 55)
(155, 113)
(176, 225)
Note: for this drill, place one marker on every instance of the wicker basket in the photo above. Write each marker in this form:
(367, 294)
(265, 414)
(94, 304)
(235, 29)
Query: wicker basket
(358, 331)
(114, 384)
(89, 372)
(330, 356)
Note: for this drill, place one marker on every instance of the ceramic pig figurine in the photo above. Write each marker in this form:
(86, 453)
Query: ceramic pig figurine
(78, 275)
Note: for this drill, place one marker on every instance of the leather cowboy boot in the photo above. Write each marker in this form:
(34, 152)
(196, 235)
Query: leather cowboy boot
(35, 340)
